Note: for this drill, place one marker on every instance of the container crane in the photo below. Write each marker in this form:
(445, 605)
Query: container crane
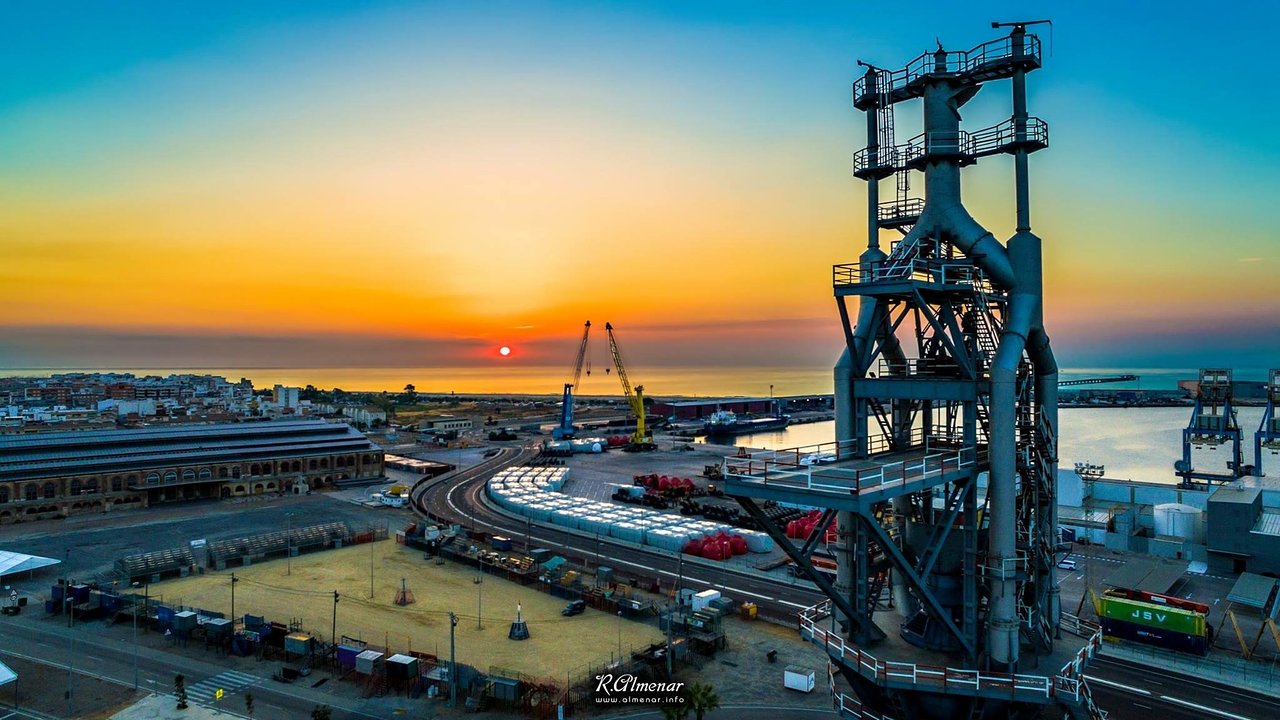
(566, 430)
(641, 439)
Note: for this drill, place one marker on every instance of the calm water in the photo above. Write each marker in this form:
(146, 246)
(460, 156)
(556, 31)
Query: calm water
(1133, 443)
(510, 377)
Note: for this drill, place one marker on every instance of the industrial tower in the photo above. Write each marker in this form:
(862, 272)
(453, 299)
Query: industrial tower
(947, 376)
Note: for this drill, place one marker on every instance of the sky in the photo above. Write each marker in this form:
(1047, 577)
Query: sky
(345, 184)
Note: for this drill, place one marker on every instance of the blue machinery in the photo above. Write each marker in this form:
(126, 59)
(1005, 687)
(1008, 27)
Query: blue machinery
(1268, 435)
(566, 429)
(947, 373)
(1213, 423)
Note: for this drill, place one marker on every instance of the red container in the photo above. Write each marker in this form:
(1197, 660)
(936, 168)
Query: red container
(693, 547)
(738, 545)
(713, 551)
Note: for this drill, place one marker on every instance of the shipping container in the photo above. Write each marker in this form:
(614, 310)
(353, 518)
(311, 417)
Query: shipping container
(798, 678)
(1151, 615)
(1160, 637)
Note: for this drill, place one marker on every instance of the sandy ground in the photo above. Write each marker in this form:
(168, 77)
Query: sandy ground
(558, 644)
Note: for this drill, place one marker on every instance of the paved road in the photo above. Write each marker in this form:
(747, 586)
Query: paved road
(112, 658)
(1140, 692)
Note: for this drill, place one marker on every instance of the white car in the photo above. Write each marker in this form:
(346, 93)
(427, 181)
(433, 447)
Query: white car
(1068, 564)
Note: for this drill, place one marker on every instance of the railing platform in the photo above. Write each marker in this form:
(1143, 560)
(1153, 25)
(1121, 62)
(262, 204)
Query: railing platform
(992, 60)
(828, 475)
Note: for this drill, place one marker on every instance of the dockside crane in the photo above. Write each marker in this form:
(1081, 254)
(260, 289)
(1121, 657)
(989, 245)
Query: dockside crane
(641, 439)
(566, 430)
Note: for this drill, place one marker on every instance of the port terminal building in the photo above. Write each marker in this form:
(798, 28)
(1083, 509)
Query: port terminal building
(1229, 528)
(58, 474)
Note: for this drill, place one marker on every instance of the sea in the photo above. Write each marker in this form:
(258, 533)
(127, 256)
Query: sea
(1139, 443)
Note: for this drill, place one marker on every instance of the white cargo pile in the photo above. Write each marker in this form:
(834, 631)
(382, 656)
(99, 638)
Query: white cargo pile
(536, 493)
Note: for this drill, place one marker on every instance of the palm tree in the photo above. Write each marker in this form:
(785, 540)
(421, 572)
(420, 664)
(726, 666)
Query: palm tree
(703, 699)
(248, 704)
(180, 690)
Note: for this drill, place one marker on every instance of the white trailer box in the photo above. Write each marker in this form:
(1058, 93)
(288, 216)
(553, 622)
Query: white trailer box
(703, 599)
(798, 678)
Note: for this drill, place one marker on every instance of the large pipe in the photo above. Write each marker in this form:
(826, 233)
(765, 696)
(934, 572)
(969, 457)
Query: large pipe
(874, 159)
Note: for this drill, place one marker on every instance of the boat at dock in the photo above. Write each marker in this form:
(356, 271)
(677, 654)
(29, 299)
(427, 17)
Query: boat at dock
(725, 422)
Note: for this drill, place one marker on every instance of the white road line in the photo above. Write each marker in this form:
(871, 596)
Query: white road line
(1202, 708)
(1118, 686)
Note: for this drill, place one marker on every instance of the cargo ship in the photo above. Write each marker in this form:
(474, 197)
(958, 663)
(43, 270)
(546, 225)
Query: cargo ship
(725, 422)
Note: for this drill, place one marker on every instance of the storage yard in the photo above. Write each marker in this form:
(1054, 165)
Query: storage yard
(556, 645)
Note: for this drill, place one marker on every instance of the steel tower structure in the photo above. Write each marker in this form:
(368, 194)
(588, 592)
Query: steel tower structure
(947, 377)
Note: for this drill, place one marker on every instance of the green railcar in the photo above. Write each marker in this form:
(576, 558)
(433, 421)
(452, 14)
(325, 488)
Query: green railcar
(1152, 615)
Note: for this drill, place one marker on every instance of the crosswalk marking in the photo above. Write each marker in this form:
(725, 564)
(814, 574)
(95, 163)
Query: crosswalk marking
(230, 681)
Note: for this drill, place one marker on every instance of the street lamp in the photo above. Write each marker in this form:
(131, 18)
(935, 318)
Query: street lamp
(333, 632)
(288, 518)
(619, 638)
(234, 580)
(135, 637)
(71, 652)
(479, 601)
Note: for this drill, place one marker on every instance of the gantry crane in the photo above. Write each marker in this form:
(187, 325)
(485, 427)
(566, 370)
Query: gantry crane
(641, 439)
(566, 430)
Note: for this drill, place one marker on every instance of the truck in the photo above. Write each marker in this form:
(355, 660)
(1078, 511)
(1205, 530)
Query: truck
(798, 678)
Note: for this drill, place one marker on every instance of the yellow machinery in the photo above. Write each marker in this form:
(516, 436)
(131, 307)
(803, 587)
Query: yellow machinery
(641, 439)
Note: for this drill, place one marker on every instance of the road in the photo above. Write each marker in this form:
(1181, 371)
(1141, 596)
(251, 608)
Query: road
(112, 658)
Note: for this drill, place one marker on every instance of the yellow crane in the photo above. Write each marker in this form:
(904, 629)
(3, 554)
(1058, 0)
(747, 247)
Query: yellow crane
(641, 439)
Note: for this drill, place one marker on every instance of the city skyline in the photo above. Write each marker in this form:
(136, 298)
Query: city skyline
(379, 184)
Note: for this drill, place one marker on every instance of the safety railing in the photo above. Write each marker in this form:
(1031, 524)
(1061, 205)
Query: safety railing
(984, 57)
(808, 469)
(979, 143)
(899, 210)
(943, 272)
(1027, 688)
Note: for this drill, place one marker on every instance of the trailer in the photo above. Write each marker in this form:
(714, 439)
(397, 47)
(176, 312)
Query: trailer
(798, 678)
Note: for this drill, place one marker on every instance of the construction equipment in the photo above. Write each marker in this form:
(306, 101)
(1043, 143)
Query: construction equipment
(641, 439)
(566, 430)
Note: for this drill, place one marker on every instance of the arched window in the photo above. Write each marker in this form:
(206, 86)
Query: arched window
(4, 495)
(223, 472)
(30, 492)
(153, 479)
(170, 477)
(133, 480)
(254, 470)
(50, 491)
(324, 463)
(91, 486)
(297, 466)
(117, 484)
(206, 474)
(235, 472)
(75, 486)
(188, 475)
(311, 464)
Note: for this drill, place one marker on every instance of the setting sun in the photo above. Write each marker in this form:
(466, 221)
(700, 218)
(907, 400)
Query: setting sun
(504, 351)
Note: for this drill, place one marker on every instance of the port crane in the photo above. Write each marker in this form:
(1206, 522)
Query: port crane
(566, 430)
(641, 439)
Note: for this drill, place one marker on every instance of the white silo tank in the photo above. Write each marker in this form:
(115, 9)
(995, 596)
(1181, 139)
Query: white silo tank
(1178, 520)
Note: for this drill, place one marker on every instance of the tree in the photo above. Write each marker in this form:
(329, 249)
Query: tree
(675, 712)
(180, 690)
(248, 704)
(703, 699)
(411, 392)
(322, 712)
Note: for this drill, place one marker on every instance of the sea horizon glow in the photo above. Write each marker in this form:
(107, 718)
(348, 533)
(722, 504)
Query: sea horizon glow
(346, 184)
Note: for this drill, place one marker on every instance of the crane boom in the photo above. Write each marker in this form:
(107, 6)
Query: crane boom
(641, 439)
(582, 355)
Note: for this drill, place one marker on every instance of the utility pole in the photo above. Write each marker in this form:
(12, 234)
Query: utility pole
(371, 568)
(71, 650)
(288, 518)
(619, 638)
(479, 601)
(453, 664)
(333, 632)
(671, 621)
(233, 601)
(135, 640)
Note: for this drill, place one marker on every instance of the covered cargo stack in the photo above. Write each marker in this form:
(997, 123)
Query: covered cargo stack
(298, 643)
(402, 668)
(347, 656)
(369, 662)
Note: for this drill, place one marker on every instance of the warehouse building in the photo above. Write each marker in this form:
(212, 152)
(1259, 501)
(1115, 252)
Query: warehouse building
(66, 473)
(1243, 535)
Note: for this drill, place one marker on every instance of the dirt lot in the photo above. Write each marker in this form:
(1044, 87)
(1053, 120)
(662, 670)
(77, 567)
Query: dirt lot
(41, 688)
(557, 643)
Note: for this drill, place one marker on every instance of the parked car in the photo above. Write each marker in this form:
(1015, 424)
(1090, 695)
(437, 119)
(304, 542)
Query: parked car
(577, 607)
(1068, 564)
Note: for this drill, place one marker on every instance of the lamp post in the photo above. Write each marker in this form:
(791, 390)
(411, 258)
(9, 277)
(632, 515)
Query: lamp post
(371, 541)
(71, 652)
(619, 638)
(479, 601)
(288, 519)
(333, 631)
(135, 637)
(234, 580)
(453, 664)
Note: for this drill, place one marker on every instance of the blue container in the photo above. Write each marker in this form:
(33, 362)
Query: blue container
(253, 621)
(111, 603)
(347, 656)
(79, 594)
(56, 594)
